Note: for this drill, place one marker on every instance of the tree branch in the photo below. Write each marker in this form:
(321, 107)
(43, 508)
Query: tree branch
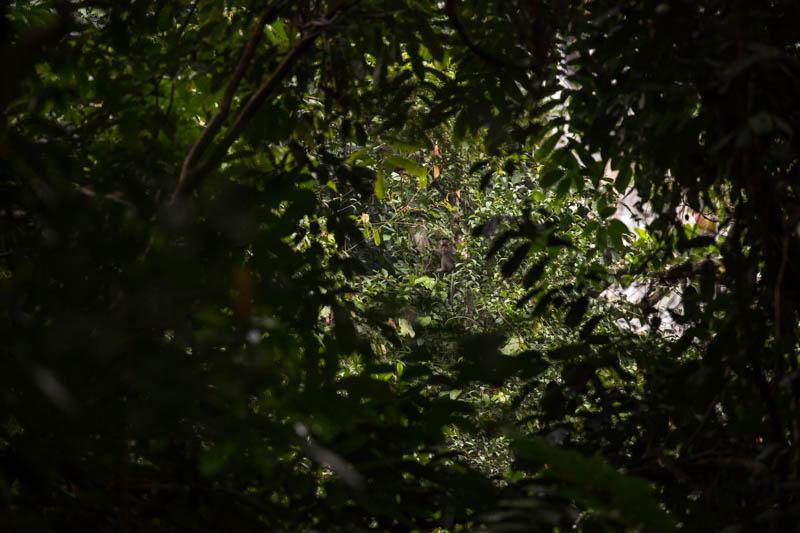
(193, 171)
(213, 127)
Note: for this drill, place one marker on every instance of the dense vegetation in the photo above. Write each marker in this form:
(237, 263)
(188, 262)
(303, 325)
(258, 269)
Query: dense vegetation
(362, 265)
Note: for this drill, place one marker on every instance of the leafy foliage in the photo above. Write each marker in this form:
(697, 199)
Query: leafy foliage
(224, 301)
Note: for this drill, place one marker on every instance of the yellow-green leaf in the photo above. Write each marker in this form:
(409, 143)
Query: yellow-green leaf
(380, 186)
(405, 328)
(395, 161)
(426, 281)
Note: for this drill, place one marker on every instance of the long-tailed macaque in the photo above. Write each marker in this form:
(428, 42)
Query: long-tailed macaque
(448, 264)
(448, 253)
(419, 236)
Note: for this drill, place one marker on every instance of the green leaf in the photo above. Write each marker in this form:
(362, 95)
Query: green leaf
(601, 239)
(563, 188)
(356, 156)
(424, 320)
(598, 485)
(603, 209)
(547, 146)
(576, 312)
(589, 326)
(485, 178)
(616, 229)
(412, 48)
(511, 266)
(431, 42)
(426, 281)
(277, 30)
(380, 185)
(696, 242)
(551, 177)
(393, 162)
(405, 328)
(499, 242)
(623, 178)
(569, 352)
(534, 273)
(478, 165)
(543, 303)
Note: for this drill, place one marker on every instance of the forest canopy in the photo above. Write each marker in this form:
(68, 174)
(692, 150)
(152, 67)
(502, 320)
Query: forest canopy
(401, 266)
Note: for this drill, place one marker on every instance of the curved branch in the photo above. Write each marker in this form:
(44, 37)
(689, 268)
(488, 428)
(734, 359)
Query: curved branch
(244, 116)
(215, 124)
(192, 170)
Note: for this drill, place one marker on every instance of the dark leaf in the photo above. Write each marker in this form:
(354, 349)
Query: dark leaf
(589, 326)
(576, 312)
(514, 262)
(499, 242)
(534, 273)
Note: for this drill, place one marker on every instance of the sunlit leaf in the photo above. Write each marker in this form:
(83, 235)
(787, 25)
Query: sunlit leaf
(393, 162)
(380, 185)
(405, 328)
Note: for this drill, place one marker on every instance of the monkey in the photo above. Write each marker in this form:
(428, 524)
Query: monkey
(447, 252)
(448, 264)
(419, 236)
